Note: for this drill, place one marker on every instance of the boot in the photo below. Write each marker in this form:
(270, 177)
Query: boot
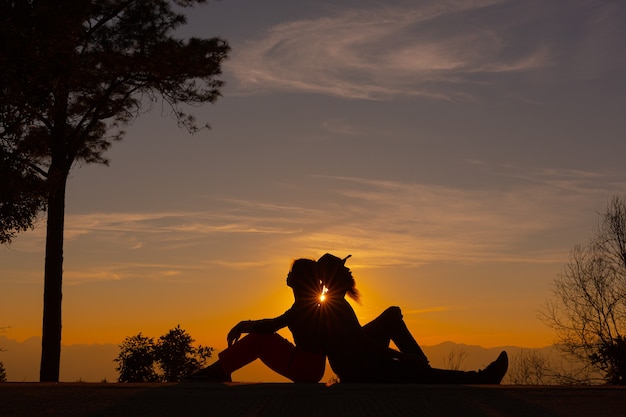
(495, 371)
(213, 373)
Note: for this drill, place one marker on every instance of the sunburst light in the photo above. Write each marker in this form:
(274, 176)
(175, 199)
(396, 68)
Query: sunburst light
(323, 295)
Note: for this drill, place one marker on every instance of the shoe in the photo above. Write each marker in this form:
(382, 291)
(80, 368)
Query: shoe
(209, 374)
(495, 371)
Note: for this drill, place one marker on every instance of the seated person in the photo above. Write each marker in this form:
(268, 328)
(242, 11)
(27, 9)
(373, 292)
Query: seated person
(362, 354)
(302, 362)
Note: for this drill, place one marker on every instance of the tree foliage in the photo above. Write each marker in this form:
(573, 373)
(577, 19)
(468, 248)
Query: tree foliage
(169, 359)
(177, 357)
(3, 373)
(611, 359)
(73, 73)
(22, 196)
(588, 307)
(136, 360)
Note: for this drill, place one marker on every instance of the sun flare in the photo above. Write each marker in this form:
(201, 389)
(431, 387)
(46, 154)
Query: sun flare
(323, 295)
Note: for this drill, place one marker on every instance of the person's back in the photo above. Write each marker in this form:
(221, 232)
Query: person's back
(352, 355)
(357, 355)
(304, 322)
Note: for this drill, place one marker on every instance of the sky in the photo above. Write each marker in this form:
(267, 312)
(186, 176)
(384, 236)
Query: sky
(458, 150)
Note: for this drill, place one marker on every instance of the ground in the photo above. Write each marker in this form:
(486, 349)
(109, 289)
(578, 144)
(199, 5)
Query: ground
(285, 399)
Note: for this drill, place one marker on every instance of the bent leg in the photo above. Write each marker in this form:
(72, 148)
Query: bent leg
(390, 326)
(492, 374)
(277, 353)
(409, 372)
(306, 366)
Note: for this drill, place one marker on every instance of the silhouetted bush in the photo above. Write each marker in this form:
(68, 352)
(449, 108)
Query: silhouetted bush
(136, 360)
(611, 358)
(3, 373)
(169, 359)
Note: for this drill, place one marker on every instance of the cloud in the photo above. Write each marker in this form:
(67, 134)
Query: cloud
(119, 270)
(532, 217)
(408, 224)
(439, 49)
(384, 51)
(172, 225)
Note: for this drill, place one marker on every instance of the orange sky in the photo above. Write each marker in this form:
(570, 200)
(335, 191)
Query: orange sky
(440, 303)
(456, 152)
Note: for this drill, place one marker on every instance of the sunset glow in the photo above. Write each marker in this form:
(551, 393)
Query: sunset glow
(458, 150)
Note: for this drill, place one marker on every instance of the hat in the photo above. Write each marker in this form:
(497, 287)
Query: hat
(328, 259)
(336, 276)
(329, 264)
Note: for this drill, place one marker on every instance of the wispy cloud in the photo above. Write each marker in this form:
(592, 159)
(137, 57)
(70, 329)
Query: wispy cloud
(122, 270)
(407, 224)
(387, 223)
(384, 51)
(440, 49)
(172, 224)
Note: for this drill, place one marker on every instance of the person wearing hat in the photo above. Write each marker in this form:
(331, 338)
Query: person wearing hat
(302, 362)
(362, 354)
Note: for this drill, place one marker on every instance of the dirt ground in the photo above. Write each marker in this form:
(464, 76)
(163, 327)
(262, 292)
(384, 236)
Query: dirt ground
(285, 399)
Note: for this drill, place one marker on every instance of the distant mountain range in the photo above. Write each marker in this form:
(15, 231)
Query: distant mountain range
(94, 363)
(89, 363)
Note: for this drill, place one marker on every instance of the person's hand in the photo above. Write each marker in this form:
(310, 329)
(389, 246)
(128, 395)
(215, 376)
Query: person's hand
(235, 332)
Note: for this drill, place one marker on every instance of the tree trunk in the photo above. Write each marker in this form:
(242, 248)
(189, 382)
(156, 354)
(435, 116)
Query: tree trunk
(53, 280)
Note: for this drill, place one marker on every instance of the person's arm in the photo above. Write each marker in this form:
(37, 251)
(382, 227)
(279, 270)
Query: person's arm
(256, 326)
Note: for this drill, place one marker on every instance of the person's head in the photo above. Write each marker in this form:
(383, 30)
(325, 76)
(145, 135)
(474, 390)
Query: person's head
(303, 278)
(336, 277)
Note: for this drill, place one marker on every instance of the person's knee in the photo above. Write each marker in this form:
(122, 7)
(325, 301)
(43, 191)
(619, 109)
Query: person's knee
(393, 312)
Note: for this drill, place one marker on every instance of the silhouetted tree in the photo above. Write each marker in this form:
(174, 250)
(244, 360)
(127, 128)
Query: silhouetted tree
(171, 358)
(177, 357)
(588, 308)
(136, 360)
(22, 196)
(611, 359)
(3, 373)
(73, 73)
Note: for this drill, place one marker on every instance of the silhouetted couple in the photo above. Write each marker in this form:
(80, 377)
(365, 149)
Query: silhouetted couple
(330, 328)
